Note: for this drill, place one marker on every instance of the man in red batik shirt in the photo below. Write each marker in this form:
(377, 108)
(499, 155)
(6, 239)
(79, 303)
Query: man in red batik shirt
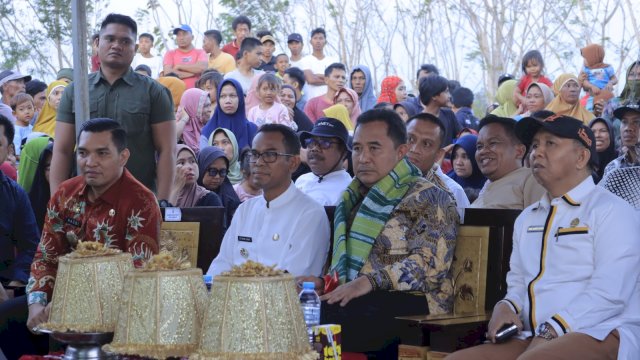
(105, 203)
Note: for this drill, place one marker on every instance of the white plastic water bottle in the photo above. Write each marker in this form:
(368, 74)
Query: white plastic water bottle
(310, 304)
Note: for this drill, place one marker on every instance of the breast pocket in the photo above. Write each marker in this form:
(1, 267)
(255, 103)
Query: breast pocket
(134, 116)
(573, 239)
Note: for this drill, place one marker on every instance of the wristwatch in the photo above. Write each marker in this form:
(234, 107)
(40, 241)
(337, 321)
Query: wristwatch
(544, 331)
(164, 203)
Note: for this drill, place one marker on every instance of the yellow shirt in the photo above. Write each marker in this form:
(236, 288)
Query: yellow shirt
(224, 63)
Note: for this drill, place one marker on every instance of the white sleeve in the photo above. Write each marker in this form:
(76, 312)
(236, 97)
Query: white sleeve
(516, 285)
(311, 244)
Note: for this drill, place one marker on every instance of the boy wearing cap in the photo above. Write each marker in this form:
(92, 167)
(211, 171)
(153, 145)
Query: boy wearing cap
(186, 61)
(629, 116)
(326, 148)
(268, 47)
(295, 44)
(572, 289)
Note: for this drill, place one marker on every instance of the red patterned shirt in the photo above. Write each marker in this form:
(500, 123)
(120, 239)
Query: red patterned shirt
(126, 217)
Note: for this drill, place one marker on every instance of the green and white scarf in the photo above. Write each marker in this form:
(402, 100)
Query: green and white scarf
(350, 251)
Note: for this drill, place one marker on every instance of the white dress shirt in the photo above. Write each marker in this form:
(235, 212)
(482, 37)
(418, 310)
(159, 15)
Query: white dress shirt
(326, 192)
(576, 265)
(291, 231)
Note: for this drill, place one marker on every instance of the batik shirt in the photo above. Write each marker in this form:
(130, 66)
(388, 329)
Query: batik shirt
(125, 217)
(415, 249)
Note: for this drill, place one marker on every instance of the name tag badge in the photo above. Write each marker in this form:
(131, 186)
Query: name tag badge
(535, 229)
(245, 239)
(72, 221)
(172, 214)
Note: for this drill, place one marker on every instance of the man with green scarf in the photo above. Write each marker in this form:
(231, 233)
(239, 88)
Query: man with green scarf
(394, 237)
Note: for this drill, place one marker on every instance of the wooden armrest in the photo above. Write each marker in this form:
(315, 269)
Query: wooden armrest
(439, 321)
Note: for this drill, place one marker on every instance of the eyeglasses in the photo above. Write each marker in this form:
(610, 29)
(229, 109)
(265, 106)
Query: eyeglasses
(321, 143)
(267, 156)
(214, 172)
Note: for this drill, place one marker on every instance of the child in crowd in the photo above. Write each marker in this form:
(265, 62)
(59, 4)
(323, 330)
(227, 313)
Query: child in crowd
(532, 67)
(282, 64)
(246, 189)
(23, 107)
(597, 75)
(270, 110)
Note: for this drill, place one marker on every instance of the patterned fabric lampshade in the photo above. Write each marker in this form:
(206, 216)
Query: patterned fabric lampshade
(254, 317)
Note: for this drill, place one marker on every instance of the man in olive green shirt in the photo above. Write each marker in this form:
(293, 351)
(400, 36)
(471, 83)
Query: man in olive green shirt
(141, 105)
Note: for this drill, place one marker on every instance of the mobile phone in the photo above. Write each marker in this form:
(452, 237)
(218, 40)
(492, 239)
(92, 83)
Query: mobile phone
(506, 332)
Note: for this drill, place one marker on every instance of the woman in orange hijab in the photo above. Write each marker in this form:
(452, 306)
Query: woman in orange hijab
(392, 90)
(567, 100)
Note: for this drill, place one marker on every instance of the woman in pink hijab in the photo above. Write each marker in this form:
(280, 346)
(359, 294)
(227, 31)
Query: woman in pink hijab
(193, 113)
(349, 98)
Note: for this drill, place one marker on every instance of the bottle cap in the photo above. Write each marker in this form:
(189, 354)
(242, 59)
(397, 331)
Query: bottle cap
(208, 278)
(308, 285)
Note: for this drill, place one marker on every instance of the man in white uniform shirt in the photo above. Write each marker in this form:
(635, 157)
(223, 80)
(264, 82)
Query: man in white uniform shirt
(283, 226)
(327, 148)
(426, 133)
(573, 289)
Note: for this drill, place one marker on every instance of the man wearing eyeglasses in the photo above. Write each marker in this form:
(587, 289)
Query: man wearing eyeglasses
(327, 148)
(283, 227)
(394, 237)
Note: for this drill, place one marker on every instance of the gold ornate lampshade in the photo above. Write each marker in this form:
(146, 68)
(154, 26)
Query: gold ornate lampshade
(160, 313)
(254, 317)
(87, 290)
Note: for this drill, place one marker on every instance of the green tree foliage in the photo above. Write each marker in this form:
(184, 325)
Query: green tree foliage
(264, 15)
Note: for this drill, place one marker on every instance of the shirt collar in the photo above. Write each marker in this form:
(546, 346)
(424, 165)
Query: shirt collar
(112, 194)
(128, 77)
(282, 199)
(573, 197)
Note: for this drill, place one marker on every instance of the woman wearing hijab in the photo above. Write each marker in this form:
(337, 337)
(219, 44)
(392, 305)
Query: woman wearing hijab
(288, 97)
(504, 97)
(214, 167)
(362, 83)
(605, 144)
(193, 113)
(230, 114)
(226, 140)
(465, 168)
(349, 99)
(538, 96)
(40, 193)
(29, 161)
(392, 90)
(567, 100)
(340, 112)
(631, 91)
(46, 121)
(176, 87)
(407, 109)
(186, 192)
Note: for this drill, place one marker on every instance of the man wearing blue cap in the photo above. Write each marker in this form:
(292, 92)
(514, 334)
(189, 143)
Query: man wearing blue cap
(572, 288)
(186, 61)
(326, 148)
(295, 44)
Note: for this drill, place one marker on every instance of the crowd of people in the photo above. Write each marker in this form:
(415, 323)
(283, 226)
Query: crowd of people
(274, 138)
